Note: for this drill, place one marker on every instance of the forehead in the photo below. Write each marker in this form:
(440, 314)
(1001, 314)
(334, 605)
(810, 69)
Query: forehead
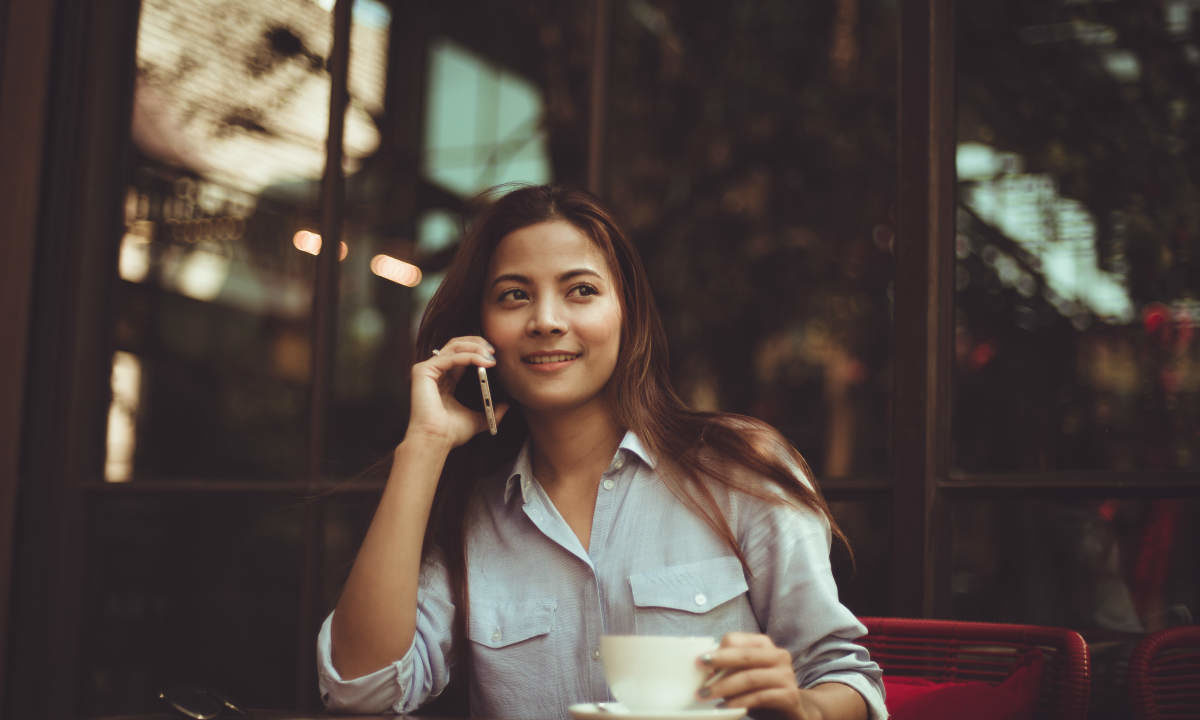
(547, 248)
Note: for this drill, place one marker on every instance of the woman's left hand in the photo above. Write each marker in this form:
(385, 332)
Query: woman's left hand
(757, 675)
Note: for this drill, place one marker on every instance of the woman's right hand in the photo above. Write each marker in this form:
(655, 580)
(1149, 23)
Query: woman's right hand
(435, 413)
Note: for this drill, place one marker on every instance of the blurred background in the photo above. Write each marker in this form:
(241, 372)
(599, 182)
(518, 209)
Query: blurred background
(228, 216)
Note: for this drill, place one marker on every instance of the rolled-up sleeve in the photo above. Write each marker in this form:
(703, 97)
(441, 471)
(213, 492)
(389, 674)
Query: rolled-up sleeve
(406, 684)
(795, 598)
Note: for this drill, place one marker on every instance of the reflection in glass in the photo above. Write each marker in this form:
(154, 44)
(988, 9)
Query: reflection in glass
(862, 579)
(346, 519)
(1114, 569)
(122, 416)
(1078, 281)
(1125, 565)
(483, 123)
(229, 121)
(466, 96)
(190, 589)
(750, 149)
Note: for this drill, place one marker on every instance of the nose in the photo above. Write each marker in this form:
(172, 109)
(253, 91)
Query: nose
(547, 319)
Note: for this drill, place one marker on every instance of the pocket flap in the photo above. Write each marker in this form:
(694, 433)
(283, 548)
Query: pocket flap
(498, 624)
(695, 587)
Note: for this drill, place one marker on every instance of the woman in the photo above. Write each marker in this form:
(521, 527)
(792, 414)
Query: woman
(604, 505)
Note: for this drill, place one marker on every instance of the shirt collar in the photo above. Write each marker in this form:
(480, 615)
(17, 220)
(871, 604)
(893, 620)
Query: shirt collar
(521, 474)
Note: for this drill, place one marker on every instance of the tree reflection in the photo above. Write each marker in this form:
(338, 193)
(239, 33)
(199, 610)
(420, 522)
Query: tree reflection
(751, 149)
(1098, 101)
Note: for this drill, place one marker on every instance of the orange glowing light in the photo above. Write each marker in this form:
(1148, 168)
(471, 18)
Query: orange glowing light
(307, 241)
(310, 242)
(398, 271)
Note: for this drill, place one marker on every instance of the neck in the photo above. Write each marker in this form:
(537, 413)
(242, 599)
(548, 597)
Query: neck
(574, 446)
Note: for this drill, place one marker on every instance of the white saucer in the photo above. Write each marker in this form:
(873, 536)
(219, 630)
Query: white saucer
(612, 711)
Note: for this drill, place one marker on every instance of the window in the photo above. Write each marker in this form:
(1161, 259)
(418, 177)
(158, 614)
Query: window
(968, 297)
(1074, 421)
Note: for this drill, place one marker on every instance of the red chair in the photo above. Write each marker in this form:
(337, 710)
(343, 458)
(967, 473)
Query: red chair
(948, 651)
(1164, 674)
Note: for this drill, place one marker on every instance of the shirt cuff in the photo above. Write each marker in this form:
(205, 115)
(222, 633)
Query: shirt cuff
(871, 693)
(381, 691)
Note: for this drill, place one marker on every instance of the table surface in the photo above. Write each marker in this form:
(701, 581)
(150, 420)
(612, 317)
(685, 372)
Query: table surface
(276, 715)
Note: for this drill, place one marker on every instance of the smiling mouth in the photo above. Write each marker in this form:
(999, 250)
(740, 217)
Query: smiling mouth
(549, 358)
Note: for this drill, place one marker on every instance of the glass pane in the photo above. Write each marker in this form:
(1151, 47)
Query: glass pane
(1078, 222)
(212, 370)
(191, 590)
(346, 519)
(460, 96)
(1125, 565)
(1113, 569)
(751, 151)
(863, 580)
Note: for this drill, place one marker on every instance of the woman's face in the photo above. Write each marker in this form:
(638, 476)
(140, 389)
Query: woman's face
(552, 309)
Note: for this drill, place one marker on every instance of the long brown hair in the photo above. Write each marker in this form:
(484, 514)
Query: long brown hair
(693, 449)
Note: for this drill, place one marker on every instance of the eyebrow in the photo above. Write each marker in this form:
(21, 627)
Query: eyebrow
(562, 277)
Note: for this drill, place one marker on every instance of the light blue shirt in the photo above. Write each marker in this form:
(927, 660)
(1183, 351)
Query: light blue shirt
(540, 601)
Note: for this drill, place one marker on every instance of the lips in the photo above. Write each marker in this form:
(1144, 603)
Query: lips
(549, 357)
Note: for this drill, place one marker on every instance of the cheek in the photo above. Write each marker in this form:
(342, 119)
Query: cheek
(604, 329)
(499, 330)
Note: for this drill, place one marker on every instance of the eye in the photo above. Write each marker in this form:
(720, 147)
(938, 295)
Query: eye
(583, 289)
(513, 294)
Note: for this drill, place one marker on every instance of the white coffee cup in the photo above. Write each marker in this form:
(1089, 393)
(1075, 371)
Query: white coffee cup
(654, 673)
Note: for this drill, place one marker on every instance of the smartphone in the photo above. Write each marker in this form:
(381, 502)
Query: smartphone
(489, 411)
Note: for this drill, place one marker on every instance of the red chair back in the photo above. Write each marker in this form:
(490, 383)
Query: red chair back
(949, 651)
(1164, 674)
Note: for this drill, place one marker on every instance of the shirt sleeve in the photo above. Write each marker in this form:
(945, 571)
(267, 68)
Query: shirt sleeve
(795, 599)
(420, 675)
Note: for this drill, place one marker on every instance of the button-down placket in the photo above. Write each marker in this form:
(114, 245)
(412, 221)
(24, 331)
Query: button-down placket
(538, 507)
(614, 486)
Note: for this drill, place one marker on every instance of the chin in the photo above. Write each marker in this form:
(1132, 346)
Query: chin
(556, 402)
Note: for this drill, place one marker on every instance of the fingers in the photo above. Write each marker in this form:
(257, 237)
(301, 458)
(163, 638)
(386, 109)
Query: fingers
(750, 671)
(461, 347)
(453, 357)
(744, 650)
(465, 343)
(740, 685)
(745, 639)
(784, 699)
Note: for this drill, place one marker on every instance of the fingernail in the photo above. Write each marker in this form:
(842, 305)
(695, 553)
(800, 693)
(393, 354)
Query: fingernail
(706, 658)
(491, 357)
(704, 692)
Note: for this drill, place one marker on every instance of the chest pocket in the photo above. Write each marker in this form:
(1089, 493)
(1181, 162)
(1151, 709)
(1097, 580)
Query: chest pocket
(707, 597)
(512, 641)
(497, 625)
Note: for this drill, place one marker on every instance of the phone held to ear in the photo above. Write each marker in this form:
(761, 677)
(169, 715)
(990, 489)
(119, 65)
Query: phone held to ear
(489, 411)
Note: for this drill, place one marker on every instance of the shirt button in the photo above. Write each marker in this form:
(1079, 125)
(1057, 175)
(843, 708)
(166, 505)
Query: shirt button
(619, 462)
(496, 636)
(700, 598)
(595, 654)
(609, 484)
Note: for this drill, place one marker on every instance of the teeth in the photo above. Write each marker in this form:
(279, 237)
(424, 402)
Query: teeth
(541, 359)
